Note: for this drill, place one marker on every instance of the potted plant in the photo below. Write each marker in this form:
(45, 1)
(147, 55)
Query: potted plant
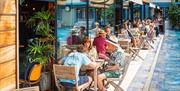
(41, 49)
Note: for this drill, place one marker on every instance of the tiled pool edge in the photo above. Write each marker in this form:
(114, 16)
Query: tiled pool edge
(150, 74)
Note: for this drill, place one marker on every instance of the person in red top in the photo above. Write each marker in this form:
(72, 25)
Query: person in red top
(100, 44)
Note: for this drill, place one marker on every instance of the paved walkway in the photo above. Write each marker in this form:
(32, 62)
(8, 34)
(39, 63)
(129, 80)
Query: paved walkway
(138, 70)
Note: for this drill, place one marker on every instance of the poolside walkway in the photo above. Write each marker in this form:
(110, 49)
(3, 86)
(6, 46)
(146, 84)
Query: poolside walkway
(138, 69)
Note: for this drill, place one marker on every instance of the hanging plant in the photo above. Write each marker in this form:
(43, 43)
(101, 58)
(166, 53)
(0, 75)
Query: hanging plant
(41, 23)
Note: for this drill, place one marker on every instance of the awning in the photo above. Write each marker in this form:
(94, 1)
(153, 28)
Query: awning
(152, 5)
(137, 1)
(146, 1)
(101, 3)
(92, 3)
(69, 2)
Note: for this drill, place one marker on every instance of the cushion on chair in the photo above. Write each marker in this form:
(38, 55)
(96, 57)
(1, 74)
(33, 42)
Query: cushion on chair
(82, 80)
(27, 71)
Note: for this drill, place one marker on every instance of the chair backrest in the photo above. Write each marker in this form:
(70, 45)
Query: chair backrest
(64, 72)
(121, 36)
(130, 33)
(33, 72)
(111, 46)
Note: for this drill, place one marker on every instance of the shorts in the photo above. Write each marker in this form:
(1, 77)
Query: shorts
(111, 74)
(82, 80)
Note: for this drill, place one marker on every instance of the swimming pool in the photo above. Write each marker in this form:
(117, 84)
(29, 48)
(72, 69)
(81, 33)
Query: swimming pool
(167, 72)
(63, 33)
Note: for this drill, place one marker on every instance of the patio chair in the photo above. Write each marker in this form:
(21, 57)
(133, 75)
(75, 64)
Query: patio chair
(119, 80)
(111, 46)
(135, 51)
(35, 88)
(68, 73)
(32, 74)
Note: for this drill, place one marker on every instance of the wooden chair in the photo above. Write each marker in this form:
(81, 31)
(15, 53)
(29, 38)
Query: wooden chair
(68, 73)
(111, 47)
(112, 82)
(135, 51)
(32, 74)
(35, 88)
(125, 44)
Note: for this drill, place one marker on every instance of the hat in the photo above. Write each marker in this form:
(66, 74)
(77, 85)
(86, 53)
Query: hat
(102, 32)
(74, 32)
(96, 23)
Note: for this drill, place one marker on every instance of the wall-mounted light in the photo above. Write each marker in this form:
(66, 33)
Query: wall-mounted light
(67, 8)
(34, 9)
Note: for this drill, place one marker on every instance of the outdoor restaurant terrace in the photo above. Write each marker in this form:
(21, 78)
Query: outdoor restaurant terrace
(88, 45)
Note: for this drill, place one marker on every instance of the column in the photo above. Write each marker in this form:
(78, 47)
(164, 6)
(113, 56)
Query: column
(118, 16)
(131, 6)
(142, 12)
(126, 14)
(87, 17)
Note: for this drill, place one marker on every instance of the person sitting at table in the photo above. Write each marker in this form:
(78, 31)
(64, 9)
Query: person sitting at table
(125, 31)
(117, 61)
(109, 36)
(135, 33)
(74, 39)
(77, 59)
(101, 44)
(96, 29)
(151, 33)
(82, 32)
(90, 50)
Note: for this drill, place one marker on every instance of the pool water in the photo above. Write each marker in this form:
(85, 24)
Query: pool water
(63, 33)
(167, 72)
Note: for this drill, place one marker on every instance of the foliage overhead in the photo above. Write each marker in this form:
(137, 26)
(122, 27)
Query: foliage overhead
(109, 14)
(174, 15)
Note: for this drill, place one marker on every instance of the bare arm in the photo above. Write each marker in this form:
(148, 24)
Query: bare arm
(115, 67)
(92, 65)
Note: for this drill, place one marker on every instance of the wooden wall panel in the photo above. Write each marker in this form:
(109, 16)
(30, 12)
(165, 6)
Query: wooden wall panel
(10, 80)
(7, 22)
(7, 53)
(8, 6)
(8, 28)
(7, 69)
(7, 38)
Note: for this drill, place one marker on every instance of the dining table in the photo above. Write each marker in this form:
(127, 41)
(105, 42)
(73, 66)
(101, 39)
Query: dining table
(99, 63)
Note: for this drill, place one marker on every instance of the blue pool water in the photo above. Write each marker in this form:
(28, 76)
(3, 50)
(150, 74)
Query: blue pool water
(63, 33)
(167, 73)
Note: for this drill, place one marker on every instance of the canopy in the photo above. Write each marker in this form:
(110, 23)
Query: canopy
(137, 1)
(69, 2)
(152, 5)
(96, 3)
(92, 3)
(101, 3)
(146, 1)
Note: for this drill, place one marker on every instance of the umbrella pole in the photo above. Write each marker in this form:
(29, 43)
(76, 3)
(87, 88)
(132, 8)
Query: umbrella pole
(87, 18)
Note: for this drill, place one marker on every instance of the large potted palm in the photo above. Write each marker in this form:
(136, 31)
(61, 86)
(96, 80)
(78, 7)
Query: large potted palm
(41, 49)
